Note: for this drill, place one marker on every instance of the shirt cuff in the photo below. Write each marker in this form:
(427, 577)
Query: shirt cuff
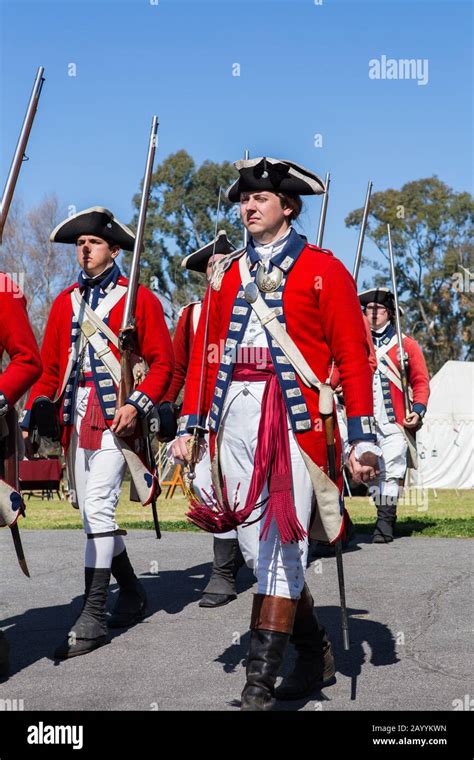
(361, 429)
(420, 409)
(364, 447)
(142, 403)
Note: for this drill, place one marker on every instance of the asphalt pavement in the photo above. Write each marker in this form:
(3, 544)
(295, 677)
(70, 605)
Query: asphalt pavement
(410, 606)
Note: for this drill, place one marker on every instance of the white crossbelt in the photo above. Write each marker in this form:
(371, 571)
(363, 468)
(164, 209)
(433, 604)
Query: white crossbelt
(93, 325)
(269, 320)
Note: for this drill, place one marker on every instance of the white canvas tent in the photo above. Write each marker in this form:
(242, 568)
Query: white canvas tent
(445, 443)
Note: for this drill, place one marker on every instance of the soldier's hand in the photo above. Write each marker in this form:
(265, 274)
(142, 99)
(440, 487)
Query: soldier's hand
(125, 420)
(179, 448)
(412, 420)
(364, 469)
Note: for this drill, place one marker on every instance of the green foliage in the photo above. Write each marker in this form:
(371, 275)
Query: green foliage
(432, 237)
(181, 218)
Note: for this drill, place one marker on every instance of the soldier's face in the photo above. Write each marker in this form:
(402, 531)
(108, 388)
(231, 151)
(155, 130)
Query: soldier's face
(95, 254)
(377, 314)
(262, 213)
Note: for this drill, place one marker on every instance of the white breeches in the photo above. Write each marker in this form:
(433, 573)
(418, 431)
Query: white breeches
(393, 465)
(98, 478)
(279, 568)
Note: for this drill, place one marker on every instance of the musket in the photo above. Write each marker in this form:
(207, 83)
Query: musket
(401, 350)
(326, 410)
(128, 331)
(199, 432)
(19, 155)
(11, 476)
(246, 232)
(324, 208)
(363, 225)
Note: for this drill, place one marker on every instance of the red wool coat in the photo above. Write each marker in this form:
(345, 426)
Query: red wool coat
(324, 319)
(418, 379)
(154, 344)
(182, 344)
(18, 341)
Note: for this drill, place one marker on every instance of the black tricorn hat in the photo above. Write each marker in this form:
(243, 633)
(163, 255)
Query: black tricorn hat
(197, 261)
(94, 221)
(383, 296)
(275, 175)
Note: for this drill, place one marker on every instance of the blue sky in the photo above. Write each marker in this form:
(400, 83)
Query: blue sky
(303, 71)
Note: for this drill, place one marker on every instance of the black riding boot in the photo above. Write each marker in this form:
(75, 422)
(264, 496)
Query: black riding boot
(227, 562)
(386, 518)
(90, 630)
(131, 603)
(314, 666)
(4, 655)
(271, 626)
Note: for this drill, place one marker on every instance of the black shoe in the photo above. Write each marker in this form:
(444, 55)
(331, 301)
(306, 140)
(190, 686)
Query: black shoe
(4, 655)
(89, 631)
(314, 666)
(227, 562)
(216, 600)
(131, 604)
(130, 607)
(381, 538)
(266, 652)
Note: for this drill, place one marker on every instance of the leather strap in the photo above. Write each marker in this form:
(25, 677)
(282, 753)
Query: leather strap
(91, 326)
(268, 318)
(273, 613)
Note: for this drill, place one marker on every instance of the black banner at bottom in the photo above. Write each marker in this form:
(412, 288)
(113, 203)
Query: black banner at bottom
(114, 734)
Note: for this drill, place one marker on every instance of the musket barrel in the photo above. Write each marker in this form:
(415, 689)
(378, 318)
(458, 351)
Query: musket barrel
(246, 232)
(363, 225)
(401, 350)
(324, 208)
(130, 302)
(20, 148)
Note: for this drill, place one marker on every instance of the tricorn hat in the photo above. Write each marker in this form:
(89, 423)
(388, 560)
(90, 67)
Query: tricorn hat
(383, 296)
(94, 221)
(197, 261)
(275, 175)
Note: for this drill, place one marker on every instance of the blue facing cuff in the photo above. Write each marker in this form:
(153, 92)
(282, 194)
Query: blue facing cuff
(188, 422)
(419, 409)
(361, 429)
(25, 419)
(142, 403)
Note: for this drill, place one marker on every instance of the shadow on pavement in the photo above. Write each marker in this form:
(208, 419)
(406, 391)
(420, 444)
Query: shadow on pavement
(376, 635)
(36, 633)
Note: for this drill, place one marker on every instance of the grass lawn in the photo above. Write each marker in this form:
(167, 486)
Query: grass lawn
(421, 513)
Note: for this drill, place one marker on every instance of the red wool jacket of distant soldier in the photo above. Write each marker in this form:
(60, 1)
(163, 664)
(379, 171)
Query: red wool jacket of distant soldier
(324, 319)
(418, 379)
(183, 340)
(18, 341)
(153, 344)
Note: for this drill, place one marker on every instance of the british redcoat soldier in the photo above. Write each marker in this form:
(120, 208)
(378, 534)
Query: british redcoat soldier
(19, 343)
(81, 363)
(393, 426)
(227, 555)
(278, 314)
